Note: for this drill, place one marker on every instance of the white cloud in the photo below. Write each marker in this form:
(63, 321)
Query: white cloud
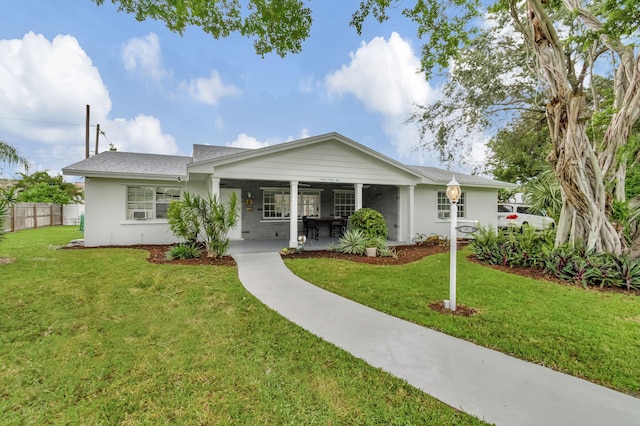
(142, 134)
(245, 141)
(44, 89)
(209, 90)
(143, 55)
(45, 86)
(304, 133)
(384, 76)
(306, 84)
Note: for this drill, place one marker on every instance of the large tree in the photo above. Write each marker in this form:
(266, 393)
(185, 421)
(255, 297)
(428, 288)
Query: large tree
(591, 172)
(569, 42)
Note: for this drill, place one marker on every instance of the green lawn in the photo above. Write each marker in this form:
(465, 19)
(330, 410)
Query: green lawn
(585, 333)
(102, 336)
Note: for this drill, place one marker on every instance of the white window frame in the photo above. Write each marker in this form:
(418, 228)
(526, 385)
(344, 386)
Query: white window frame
(309, 203)
(444, 206)
(279, 208)
(343, 207)
(152, 199)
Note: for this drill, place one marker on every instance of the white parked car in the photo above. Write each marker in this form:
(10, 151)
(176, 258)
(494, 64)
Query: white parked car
(520, 215)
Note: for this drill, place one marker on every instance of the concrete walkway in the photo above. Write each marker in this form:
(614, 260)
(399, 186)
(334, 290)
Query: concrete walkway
(487, 384)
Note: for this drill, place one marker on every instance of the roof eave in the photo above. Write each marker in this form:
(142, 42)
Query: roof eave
(114, 175)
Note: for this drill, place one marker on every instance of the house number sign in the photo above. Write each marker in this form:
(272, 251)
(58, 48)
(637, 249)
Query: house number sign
(467, 229)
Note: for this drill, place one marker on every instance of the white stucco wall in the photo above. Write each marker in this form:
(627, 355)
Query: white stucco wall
(106, 207)
(481, 206)
(105, 216)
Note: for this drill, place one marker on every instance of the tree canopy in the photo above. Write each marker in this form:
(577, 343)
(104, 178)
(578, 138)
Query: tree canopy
(276, 25)
(40, 187)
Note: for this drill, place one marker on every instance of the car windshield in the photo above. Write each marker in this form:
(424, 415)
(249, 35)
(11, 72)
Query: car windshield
(504, 209)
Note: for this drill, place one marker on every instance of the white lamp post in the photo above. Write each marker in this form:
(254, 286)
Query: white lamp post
(453, 194)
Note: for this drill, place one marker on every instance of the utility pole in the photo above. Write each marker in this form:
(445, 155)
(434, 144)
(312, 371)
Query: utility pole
(97, 136)
(87, 135)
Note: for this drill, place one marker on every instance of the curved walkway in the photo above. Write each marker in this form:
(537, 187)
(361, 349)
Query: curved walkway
(487, 384)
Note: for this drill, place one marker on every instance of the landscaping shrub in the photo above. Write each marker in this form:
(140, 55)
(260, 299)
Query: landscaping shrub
(183, 251)
(183, 220)
(569, 263)
(513, 247)
(370, 222)
(352, 242)
(367, 229)
(205, 217)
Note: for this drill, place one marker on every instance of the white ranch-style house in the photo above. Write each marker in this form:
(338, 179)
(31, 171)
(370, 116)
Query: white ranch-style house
(324, 177)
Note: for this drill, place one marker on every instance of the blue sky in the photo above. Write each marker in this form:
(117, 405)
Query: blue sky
(155, 91)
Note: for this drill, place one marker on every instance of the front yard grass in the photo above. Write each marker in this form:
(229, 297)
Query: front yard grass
(101, 336)
(586, 333)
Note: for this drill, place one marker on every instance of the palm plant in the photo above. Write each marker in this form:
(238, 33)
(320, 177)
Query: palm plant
(9, 155)
(208, 218)
(543, 194)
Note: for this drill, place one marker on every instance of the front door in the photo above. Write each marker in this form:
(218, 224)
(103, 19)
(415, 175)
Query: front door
(225, 194)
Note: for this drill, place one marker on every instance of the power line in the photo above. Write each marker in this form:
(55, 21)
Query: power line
(45, 122)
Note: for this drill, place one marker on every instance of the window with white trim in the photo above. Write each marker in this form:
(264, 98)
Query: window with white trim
(344, 203)
(150, 202)
(276, 203)
(444, 205)
(309, 203)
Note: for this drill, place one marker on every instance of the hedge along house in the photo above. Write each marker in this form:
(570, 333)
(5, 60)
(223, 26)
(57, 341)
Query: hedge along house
(326, 176)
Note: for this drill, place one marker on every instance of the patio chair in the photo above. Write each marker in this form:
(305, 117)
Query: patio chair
(338, 227)
(310, 226)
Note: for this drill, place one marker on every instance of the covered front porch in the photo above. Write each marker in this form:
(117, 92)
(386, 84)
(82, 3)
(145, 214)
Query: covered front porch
(275, 210)
(326, 176)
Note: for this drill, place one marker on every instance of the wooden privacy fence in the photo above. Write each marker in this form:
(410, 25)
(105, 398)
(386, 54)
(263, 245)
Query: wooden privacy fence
(32, 215)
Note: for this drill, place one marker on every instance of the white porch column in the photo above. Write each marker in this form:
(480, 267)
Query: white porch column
(411, 214)
(358, 191)
(293, 214)
(214, 187)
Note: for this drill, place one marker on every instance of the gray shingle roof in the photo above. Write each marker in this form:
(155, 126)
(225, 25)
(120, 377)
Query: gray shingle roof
(443, 176)
(208, 152)
(116, 162)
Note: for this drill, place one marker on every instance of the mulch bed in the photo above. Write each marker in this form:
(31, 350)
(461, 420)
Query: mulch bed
(405, 254)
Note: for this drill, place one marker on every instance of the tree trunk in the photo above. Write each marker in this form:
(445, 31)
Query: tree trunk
(586, 205)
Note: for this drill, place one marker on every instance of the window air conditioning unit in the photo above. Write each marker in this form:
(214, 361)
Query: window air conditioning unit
(140, 215)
